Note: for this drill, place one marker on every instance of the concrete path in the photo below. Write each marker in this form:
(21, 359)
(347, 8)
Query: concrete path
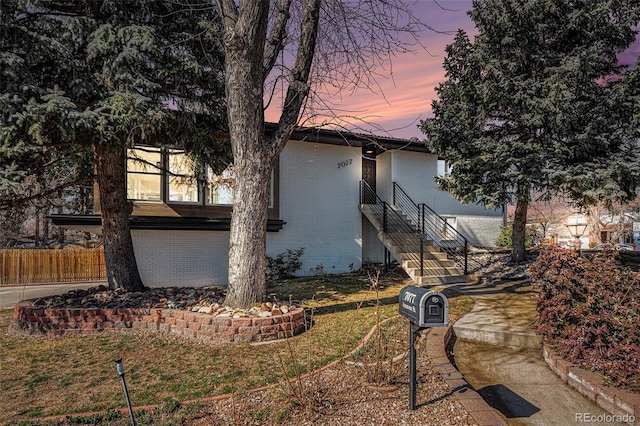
(500, 355)
(9, 296)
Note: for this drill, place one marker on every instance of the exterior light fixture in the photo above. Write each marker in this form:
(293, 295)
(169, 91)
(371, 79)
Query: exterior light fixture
(577, 226)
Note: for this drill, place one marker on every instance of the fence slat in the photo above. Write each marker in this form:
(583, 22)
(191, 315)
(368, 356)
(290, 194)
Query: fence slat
(27, 266)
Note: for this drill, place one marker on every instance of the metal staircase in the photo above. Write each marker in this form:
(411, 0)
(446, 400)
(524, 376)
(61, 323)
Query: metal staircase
(425, 245)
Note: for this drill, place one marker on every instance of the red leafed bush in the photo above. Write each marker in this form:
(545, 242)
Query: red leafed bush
(589, 310)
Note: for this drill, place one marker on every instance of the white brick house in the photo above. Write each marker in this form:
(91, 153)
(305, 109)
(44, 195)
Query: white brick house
(180, 230)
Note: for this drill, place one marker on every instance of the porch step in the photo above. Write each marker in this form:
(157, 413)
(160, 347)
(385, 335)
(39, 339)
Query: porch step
(439, 280)
(437, 268)
(429, 263)
(412, 255)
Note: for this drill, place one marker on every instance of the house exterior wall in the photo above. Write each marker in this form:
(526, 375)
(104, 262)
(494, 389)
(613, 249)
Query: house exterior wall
(481, 231)
(415, 173)
(319, 203)
(372, 247)
(169, 258)
(319, 189)
(384, 177)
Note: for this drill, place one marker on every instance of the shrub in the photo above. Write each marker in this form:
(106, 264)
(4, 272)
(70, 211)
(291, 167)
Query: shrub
(504, 239)
(589, 310)
(284, 265)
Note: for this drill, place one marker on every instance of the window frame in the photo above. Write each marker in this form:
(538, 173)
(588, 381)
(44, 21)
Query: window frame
(158, 172)
(201, 208)
(168, 174)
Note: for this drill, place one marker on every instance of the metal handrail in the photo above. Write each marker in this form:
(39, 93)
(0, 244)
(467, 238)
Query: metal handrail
(435, 227)
(396, 228)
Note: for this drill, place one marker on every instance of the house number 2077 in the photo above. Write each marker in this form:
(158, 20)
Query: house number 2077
(345, 163)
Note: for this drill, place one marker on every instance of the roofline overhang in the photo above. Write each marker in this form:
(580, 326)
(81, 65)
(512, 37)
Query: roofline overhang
(345, 138)
(85, 222)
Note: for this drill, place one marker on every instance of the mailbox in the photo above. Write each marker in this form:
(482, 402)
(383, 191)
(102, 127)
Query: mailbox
(424, 308)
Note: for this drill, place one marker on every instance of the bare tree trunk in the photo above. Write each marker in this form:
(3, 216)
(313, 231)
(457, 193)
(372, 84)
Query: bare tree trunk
(45, 227)
(244, 87)
(246, 67)
(61, 233)
(518, 252)
(84, 209)
(122, 269)
(247, 241)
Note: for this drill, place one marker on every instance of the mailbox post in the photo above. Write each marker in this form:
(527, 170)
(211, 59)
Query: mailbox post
(423, 308)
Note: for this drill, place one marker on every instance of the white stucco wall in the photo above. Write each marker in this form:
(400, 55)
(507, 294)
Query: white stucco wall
(482, 231)
(372, 247)
(181, 258)
(319, 203)
(415, 172)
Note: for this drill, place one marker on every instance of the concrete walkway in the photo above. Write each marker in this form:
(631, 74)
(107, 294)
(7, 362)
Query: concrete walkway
(10, 295)
(500, 355)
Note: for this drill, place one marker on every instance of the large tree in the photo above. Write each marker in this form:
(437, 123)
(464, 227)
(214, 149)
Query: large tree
(100, 76)
(329, 43)
(538, 103)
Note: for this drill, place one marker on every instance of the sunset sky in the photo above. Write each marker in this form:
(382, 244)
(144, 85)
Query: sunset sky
(409, 91)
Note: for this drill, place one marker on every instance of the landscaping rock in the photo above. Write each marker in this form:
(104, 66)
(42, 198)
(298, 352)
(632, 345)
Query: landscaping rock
(207, 300)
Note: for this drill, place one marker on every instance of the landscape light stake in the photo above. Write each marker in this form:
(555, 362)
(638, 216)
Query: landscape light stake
(124, 386)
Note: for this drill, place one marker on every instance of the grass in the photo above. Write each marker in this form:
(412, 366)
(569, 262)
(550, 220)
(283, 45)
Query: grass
(42, 377)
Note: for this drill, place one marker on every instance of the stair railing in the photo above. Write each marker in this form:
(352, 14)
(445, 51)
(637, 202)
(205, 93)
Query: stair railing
(435, 227)
(403, 235)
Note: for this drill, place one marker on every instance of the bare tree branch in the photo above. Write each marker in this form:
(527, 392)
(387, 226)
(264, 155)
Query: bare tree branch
(277, 36)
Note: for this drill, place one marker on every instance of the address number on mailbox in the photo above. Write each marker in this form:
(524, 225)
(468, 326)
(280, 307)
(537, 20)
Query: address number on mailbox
(424, 308)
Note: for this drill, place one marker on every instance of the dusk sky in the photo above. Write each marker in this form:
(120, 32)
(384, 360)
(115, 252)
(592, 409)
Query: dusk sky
(408, 93)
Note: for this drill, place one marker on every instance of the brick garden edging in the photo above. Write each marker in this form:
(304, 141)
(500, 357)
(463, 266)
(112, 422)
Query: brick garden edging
(618, 402)
(191, 325)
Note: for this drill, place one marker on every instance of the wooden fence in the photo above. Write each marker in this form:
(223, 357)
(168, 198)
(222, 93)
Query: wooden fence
(29, 266)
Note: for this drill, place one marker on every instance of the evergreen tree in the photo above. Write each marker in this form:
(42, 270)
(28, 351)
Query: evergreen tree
(100, 76)
(538, 102)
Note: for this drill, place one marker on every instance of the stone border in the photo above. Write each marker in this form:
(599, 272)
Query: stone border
(191, 325)
(438, 339)
(618, 402)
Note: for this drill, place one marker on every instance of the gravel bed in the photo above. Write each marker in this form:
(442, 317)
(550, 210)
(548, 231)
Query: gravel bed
(338, 396)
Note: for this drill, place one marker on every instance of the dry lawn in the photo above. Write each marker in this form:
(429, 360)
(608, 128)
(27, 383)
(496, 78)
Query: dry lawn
(42, 377)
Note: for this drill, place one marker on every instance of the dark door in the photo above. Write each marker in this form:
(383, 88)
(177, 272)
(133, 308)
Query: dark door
(369, 175)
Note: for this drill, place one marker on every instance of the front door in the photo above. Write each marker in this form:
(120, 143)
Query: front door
(369, 173)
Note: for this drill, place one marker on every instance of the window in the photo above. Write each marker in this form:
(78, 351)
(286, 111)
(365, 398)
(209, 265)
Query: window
(444, 168)
(220, 187)
(183, 184)
(144, 176)
(171, 176)
(449, 228)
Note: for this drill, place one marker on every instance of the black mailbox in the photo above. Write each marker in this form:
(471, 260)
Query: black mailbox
(424, 308)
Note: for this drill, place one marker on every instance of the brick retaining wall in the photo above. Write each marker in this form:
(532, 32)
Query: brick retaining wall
(192, 325)
(621, 404)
